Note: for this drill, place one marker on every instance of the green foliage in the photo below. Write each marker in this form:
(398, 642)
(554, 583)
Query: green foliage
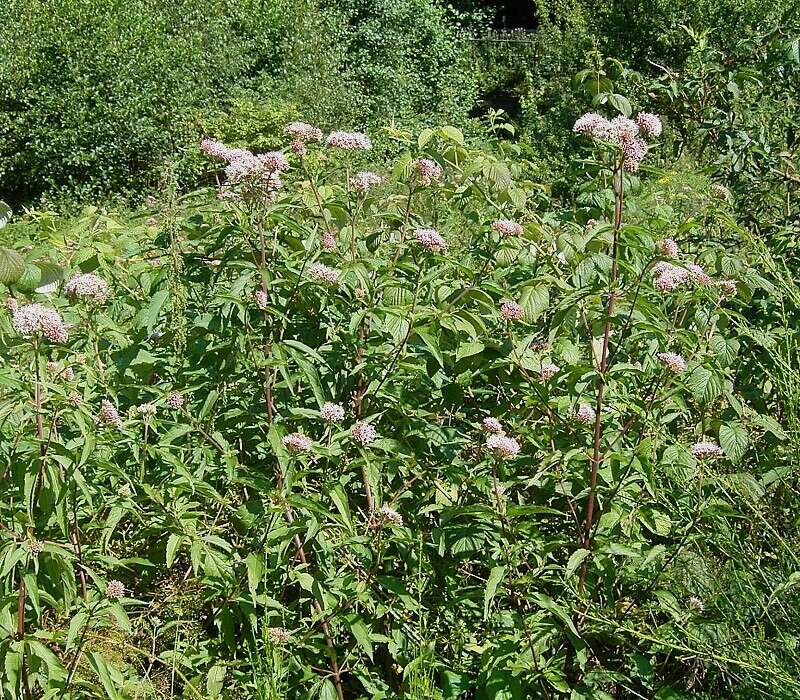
(256, 566)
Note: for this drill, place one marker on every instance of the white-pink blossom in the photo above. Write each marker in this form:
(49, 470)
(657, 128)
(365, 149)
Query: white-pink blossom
(87, 286)
(585, 414)
(668, 248)
(705, 449)
(349, 141)
(331, 412)
(428, 170)
(548, 370)
(364, 433)
(502, 445)
(296, 443)
(492, 425)
(33, 319)
(323, 273)
(649, 123)
(364, 181)
(511, 311)
(430, 239)
(507, 227)
(303, 131)
(175, 400)
(674, 362)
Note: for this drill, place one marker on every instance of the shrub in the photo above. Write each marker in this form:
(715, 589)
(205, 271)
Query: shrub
(357, 437)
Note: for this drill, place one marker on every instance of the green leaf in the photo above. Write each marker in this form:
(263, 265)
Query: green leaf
(215, 680)
(575, 560)
(495, 577)
(173, 542)
(535, 301)
(733, 439)
(12, 266)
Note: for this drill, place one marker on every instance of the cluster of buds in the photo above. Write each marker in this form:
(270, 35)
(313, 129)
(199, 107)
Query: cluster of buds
(323, 273)
(331, 412)
(585, 414)
(35, 319)
(707, 449)
(87, 287)
(349, 141)
(672, 361)
(622, 132)
(109, 415)
(364, 181)
(364, 433)
(507, 227)
(296, 443)
(548, 370)
(502, 446)
(389, 516)
(428, 171)
(511, 311)
(430, 239)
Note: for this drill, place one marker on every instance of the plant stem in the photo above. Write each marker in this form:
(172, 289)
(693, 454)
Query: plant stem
(603, 366)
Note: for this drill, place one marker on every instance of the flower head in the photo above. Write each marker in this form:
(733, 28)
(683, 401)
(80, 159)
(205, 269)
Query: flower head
(590, 224)
(109, 414)
(507, 227)
(261, 299)
(390, 516)
(75, 399)
(32, 319)
(430, 239)
(698, 275)
(115, 589)
(705, 449)
(146, 410)
(727, 287)
(299, 148)
(35, 547)
(593, 125)
(274, 161)
(492, 425)
(301, 131)
(668, 277)
(548, 370)
(11, 304)
(502, 446)
(328, 241)
(720, 192)
(364, 433)
(323, 273)
(175, 400)
(278, 636)
(674, 362)
(649, 124)
(511, 311)
(668, 248)
(428, 170)
(296, 443)
(364, 181)
(348, 141)
(331, 412)
(585, 414)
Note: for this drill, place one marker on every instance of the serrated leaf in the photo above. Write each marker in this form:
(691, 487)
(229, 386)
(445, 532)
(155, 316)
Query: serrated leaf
(12, 266)
(733, 439)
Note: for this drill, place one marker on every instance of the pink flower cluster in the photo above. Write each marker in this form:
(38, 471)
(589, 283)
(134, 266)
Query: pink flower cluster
(492, 425)
(32, 319)
(706, 449)
(668, 277)
(328, 241)
(548, 370)
(674, 362)
(506, 227)
(303, 132)
(622, 132)
(323, 273)
(429, 171)
(720, 192)
(728, 287)
(331, 412)
(175, 401)
(649, 124)
(364, 433)
(278, 636)
(349, 141)
(511, 311)
(109, 415)
(296, 443)
(502, 446)
(668, 248)
(146, 410)
(261, 299)
(115, 589)
(390, 516)
(430, 239)
(87, 286)
(364, 181)
(585, 414)
(256, 171)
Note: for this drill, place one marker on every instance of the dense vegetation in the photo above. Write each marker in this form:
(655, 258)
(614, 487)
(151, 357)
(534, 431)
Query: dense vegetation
(497, 399)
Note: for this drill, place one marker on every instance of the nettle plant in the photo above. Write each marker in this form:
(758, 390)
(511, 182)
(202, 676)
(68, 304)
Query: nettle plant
(342, 434)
